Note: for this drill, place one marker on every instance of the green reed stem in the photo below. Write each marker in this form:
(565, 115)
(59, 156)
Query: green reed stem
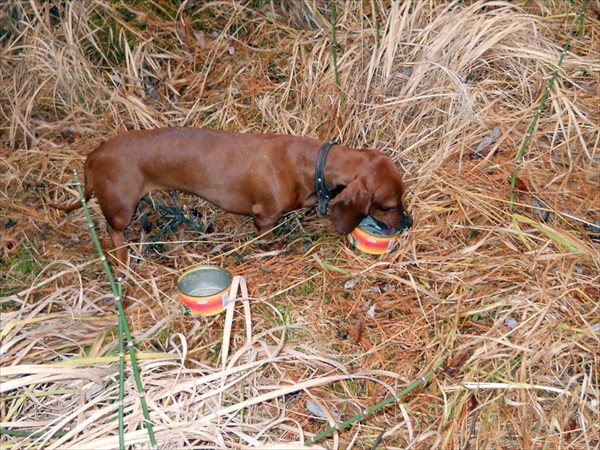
(411, 387)
(121, 373)
(335, 50)
(577, 24)
(377, 24)
(122, 319)
(30, 434)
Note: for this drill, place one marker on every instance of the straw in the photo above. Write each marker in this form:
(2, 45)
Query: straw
(445, 89)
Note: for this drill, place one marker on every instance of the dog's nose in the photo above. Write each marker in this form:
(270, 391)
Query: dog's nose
(406, 220)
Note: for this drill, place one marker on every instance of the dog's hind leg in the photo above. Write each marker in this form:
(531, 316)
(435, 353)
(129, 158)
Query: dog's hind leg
(121, 250)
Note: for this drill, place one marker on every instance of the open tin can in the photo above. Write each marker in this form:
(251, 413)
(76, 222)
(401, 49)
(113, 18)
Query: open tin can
(204, 290)
(373, 237)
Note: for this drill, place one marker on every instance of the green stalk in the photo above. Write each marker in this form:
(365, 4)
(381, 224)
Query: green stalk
(377, 24)
(335, 49)
(121, 374)
(122, 318)
(29, 434)
(411, 387)
(581, 18)
(525, 143)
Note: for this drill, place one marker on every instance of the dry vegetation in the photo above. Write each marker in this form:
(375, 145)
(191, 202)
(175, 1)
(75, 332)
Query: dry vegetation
(513, 295)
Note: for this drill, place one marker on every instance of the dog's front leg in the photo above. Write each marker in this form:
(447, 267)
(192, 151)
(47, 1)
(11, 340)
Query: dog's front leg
(264, 227)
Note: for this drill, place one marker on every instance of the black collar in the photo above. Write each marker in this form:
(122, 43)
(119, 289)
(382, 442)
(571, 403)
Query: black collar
(323, 194)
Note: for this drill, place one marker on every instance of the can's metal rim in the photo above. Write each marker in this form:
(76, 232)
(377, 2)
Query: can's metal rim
(386, 237)
(196, 269)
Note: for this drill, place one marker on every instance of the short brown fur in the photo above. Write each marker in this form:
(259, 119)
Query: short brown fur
(262, 175)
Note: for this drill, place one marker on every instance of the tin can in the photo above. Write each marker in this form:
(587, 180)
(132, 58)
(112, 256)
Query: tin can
(372, 238)
(204, 290)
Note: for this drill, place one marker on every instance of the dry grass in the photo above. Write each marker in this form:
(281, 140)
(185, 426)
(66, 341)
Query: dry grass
(514, 298)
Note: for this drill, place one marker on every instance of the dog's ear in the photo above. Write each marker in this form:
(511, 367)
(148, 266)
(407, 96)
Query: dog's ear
(350, 206)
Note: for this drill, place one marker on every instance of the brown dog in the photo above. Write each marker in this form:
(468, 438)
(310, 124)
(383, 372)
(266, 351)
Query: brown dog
(262, 175)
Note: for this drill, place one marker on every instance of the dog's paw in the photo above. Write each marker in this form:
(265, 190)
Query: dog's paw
(274, 245)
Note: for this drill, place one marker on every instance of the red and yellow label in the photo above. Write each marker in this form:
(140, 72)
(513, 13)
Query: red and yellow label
(206, 306)
(370, 243)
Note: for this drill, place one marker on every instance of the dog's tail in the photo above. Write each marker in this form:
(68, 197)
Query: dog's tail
(87, 194)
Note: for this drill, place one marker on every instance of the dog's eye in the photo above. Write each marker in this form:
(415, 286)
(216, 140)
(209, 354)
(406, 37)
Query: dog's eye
(388, 208)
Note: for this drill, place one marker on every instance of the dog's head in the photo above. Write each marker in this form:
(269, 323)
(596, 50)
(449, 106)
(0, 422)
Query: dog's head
(376, 191)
